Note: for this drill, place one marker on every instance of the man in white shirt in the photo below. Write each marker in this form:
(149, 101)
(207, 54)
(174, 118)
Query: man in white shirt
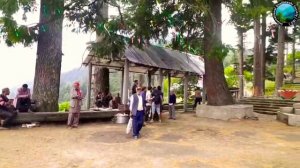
(148, 104)
(137, 108)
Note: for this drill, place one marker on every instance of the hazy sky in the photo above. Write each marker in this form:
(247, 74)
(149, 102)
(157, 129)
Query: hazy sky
(18, 63)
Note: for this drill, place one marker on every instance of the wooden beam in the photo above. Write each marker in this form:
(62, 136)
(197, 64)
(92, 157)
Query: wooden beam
(88, 100)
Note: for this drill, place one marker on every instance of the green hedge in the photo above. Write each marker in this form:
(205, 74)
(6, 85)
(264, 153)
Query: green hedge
(64, 106)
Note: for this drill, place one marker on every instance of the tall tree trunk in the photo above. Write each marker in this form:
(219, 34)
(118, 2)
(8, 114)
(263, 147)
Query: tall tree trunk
(49, 57)
(241, 62)
(294, 53)
(101, 73)
(215, 83)
(257, 86)
(280, 59)
(263, 50)
(101, 80)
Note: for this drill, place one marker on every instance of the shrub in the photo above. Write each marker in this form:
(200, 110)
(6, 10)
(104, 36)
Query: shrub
(270, 87)
(231, 76)
(248, 76)
(64, 106)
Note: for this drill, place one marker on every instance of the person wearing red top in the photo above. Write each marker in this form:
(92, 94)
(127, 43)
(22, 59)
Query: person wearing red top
(75, 106)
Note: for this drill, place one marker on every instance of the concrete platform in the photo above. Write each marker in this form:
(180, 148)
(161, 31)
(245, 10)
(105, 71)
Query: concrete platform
(282, 117)
(294, 120)
(62, 116)
(225, 112)
(290, 119)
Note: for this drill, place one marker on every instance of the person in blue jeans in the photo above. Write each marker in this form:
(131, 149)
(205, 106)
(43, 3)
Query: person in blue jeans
(137, 109)
(172, 102)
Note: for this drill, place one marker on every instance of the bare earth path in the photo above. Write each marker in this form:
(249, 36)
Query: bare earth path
(188, 142)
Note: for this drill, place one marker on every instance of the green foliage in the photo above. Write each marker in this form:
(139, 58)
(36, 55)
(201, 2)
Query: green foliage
(12, 32)
(259, 7)
(287, 69)
(290, 57)
(231, 76)
(291, 87)
(248, 76)
(220, 51)
(240, 15)
(270, 72)
(64, 106)
(269, 87)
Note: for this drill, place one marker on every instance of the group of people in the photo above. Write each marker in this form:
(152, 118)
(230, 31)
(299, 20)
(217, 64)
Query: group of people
(106, 100)
(145, 103)
(10, 108)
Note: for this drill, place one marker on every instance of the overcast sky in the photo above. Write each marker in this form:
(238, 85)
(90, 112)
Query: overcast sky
(18, 62)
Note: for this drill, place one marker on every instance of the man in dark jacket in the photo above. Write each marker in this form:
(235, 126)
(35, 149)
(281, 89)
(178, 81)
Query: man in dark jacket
(157, 97)
(135, 84)
(137, 109)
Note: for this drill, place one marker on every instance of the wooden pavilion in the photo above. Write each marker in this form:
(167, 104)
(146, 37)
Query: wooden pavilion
(150, 60)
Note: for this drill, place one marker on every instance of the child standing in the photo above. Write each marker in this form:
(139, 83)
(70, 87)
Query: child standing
(172, 102)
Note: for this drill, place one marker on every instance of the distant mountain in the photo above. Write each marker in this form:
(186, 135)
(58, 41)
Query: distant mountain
(78, 74)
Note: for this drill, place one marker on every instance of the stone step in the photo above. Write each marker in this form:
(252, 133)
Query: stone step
(265, 112)
(270, 100)
(267, 104)
(265, 109)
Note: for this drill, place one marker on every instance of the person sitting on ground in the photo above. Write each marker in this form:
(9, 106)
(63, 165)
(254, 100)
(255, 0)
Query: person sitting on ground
(106, 99)
(118, 99)
(99, 98)
(23, 99)
(6, 111)
(114, 103)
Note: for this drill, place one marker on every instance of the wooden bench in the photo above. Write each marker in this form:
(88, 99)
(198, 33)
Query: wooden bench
(62, 116)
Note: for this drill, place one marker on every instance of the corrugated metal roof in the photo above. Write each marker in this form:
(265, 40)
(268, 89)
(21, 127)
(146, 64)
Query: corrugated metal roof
(153, 56)
(165, 58)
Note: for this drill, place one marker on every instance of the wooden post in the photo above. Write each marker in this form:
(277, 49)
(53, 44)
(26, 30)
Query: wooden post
(89, 90)
(149, 78)
(185, 92)
(241, 64)
(125, 82)
(169, 84)
(160, 80)
(204, 90)
(122, 82)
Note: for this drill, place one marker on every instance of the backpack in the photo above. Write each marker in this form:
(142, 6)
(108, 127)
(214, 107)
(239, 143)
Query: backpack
(157, 98)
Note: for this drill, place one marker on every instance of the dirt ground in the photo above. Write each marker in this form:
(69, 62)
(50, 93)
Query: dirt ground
(187, 142)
